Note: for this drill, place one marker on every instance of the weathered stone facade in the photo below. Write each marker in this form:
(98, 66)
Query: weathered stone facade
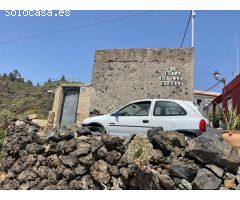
(123, 75)
(83, 107)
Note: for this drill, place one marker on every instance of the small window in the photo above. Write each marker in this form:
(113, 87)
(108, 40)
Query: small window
(199, 101)
(168, 108)
(136, 109)
(229, 102)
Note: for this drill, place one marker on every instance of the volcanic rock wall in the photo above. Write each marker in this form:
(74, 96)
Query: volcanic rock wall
(76, 159)
(124, 75)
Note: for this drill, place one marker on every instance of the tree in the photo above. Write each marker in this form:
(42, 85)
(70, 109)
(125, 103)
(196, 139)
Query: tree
(4, 76)
(12, 77)
(63, 78)
(21, 80)
(49, 80)
(17, 74)
(38, 84)
(29, 82)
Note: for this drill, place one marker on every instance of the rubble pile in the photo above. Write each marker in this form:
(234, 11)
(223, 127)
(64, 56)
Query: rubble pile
(75, 158)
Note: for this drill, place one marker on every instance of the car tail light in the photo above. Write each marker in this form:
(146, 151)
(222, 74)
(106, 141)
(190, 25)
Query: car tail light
(202, 125)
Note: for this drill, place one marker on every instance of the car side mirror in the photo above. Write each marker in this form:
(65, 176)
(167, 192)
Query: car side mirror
(114, 114)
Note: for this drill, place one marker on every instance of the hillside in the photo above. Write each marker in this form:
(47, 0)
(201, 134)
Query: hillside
(17, 98)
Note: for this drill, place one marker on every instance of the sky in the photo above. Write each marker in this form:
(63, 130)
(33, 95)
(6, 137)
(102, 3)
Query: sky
(71, 53)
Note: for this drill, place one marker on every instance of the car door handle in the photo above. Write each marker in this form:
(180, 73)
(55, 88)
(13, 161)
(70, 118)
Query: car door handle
(111, 123)
(145, 121)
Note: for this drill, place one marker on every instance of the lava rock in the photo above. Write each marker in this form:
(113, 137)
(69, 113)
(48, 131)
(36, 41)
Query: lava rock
(69, 161)
(87, 182)
(113, 157)
(52, 161)
(118, 183)
(148, 179)
(186, 184)
(206, 180)
(166, 181)
(34, 148)
(52, 177)
(67, 146)
(114, 171)
(212, 149)
(31, 159)
(153, 131)
(44, 183)
(62, 185)
(43, 172)
(167, 140)
(87, 160)
(101, 153)
(69, 174)
(99, 172)
(80, 170)
(112, 143)
(75, 185)
(27, 175)
(51, 148)
(11, 185)
(24, 186)
(216, 170)
(50, 187)
(124, 172)
(19, 166)
(84, 131)
(183, 172)
(95, 144)
(65, 134)
(7, 163)
(60, 171)
(83, 149)
(157, 157)
(53, 136)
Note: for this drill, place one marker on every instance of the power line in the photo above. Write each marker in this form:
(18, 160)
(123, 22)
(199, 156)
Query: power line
(206, 73)
(73, 28)
(215, 85)
(189, 18)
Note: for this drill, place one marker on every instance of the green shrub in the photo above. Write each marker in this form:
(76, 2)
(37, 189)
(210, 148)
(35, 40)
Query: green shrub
(232, 119)
(215, 118)
(23, 101)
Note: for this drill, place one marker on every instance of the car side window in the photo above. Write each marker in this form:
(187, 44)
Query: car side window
(136, 109)
(168, 108)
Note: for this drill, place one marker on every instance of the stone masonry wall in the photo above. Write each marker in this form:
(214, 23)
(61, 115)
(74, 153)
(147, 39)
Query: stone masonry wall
(123, 75)
(76, 158)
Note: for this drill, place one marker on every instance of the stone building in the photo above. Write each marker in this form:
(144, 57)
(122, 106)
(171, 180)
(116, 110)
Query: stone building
(202, 99)
(71, 104)
(123, 75)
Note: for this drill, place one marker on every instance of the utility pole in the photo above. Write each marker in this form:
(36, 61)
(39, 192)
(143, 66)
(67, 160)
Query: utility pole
(237, 55)
(193, 15)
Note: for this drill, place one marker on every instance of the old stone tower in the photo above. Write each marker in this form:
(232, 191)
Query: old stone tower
(124, 75)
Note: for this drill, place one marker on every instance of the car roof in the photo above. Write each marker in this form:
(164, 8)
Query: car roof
(176, 100)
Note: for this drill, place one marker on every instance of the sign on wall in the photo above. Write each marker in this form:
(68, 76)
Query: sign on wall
(172, 77)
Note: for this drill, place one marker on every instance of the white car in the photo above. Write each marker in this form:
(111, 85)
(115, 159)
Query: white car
(142, 115)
